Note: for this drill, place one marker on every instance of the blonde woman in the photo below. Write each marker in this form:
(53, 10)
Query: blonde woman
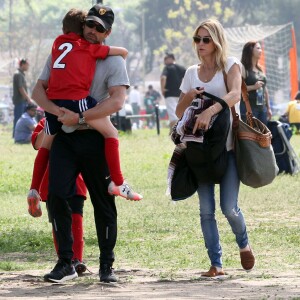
(210, 45)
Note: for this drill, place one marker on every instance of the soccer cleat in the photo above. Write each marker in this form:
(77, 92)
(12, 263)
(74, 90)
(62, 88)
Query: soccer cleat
(79, 266)
(124, 191)
(34, 206)
(107, 274)
(61, 272)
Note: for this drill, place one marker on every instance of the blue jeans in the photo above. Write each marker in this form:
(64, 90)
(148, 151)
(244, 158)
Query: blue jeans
(229, 189)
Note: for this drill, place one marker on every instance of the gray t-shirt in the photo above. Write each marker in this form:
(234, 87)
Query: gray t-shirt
(18, 82)
(109, 72)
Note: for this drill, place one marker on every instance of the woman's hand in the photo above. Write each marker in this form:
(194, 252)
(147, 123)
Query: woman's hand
(193, 93)
(203, 120)
(258, 84)
(185, 100)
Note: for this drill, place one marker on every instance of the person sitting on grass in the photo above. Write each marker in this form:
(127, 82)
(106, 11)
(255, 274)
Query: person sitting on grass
(25, 125)
(73, 67)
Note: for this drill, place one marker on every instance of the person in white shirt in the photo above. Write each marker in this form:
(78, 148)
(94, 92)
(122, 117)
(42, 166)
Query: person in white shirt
(209, 42)
(135, 102)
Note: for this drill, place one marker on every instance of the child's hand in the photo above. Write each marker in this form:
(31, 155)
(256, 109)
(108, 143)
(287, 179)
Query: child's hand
(68, 117)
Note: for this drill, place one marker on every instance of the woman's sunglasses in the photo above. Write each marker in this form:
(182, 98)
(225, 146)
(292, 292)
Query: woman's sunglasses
(92, 24)
(205, 39)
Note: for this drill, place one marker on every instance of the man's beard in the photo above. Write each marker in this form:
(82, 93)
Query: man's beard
(90, 37)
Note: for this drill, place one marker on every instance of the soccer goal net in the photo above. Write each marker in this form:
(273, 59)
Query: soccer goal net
(279, 58)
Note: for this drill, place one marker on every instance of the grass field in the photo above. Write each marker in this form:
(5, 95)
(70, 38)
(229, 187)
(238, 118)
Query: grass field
(154, 233)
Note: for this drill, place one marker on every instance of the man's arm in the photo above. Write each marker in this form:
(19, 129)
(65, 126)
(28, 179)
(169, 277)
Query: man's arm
(24, 94)
(18, 81)
(114, 103)
(163, 80)
(40, 97)
(31, 127)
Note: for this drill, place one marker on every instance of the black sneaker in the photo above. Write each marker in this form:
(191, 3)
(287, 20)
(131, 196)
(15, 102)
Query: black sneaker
(107, 274)
(79, 266)
(61, 272)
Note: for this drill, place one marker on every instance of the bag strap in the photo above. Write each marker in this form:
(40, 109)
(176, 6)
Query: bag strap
(245, 97)
(217, 99)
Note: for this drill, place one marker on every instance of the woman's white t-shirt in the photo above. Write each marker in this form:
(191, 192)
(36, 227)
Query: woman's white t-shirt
(215, 86)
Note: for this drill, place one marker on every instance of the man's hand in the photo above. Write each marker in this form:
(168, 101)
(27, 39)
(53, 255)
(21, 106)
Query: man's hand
(68, 117)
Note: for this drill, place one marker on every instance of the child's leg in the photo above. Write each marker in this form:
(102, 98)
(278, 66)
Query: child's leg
(118, 186)
(77, 231)
(41, 162)
(110, 133)
(76, 204)
(39, 169)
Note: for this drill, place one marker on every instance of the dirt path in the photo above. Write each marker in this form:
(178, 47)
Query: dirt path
(147, 284)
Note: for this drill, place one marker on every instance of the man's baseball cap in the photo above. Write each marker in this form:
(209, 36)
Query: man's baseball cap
(101, 14)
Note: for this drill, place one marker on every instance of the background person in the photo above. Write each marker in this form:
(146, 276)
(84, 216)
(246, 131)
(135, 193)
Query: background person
(76, 204)
(170, 81)
(82, 151)
(149, 103)
(151, 99)
(256, 82)
(40, 114)
(20, 92)
(293, 113)
(135, 102)
(154, 94)
(210, 45)
(26, 125)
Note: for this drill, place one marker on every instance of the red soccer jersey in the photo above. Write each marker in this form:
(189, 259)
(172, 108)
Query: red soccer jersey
(43, 190)
(73, 66)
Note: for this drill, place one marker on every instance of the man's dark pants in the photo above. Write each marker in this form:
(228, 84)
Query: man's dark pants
(81, 152)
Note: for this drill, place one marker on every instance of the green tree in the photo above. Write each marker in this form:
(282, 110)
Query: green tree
(169, 25)
(28, 27)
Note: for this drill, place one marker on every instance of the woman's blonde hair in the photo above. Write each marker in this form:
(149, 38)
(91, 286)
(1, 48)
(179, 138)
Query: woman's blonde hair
(217, 34)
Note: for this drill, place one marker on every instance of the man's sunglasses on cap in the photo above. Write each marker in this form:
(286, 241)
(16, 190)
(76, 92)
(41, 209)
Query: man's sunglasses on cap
(205, 39)
(92, 24)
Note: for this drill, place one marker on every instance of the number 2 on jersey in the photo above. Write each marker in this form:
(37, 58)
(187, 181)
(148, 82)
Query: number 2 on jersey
(66, 47)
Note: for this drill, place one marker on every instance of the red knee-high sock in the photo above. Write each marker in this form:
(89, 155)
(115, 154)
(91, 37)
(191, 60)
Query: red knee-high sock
(113, 160)
(39, 168)
(77, 230)
(55, 241)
